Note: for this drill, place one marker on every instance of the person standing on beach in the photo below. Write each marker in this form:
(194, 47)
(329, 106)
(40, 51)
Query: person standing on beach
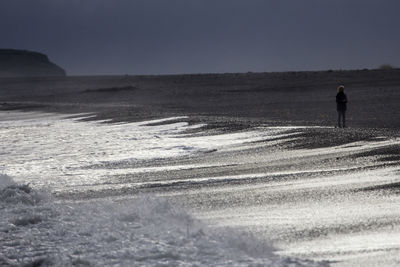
(341, 106)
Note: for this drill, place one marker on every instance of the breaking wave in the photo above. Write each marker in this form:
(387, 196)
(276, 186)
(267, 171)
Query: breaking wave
(12, 193)
(36, 230)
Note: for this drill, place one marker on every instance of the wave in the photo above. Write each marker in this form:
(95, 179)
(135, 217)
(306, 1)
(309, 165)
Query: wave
(12, 193)
(36, 230)
(72, 146)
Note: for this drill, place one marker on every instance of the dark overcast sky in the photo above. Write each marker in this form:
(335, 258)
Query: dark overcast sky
(202, 36)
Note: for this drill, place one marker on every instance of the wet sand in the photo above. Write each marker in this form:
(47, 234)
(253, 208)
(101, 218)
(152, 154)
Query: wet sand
(289, 98)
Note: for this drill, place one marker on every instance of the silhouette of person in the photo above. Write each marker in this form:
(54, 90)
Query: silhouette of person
(341, 106)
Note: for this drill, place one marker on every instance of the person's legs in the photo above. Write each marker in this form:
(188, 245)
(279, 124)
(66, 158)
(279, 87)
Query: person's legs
(339, 117)
(344, 118)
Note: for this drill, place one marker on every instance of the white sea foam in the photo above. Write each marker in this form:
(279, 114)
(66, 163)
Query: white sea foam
(146, 231)
(5, 181)
(57, 151)
(54, 151)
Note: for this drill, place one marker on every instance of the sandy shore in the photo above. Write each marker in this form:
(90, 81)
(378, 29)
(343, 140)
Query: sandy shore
(290, 98)
(267, 158)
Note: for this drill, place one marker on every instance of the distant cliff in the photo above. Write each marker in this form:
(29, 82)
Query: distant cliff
(22, 63)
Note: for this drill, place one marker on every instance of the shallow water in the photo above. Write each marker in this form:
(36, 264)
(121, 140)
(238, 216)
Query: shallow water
(165, 191)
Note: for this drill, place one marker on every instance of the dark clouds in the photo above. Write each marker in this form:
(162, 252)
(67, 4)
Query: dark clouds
(188, 36)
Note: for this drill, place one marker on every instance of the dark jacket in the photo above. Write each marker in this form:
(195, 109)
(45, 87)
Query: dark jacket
(341, 100)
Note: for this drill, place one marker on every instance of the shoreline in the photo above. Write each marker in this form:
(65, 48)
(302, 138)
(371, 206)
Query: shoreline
(298, 98)
(299, 189)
